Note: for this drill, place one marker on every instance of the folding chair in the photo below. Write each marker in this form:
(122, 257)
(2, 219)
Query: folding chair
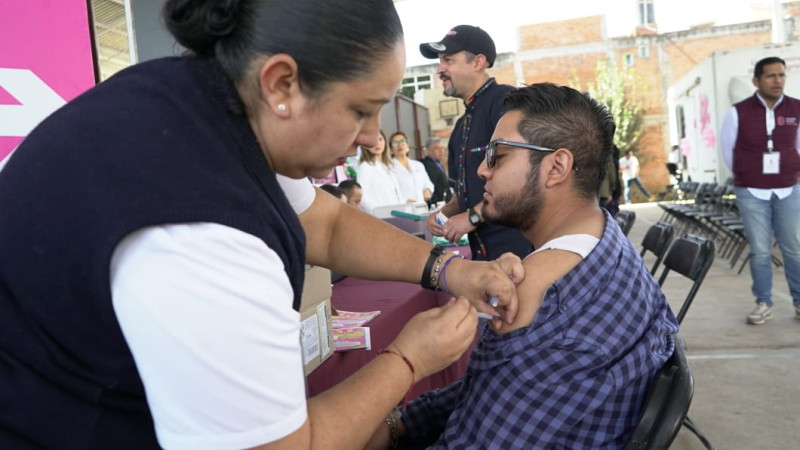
(625, 219)
(657, 241)
(690, 256)
(666, 405)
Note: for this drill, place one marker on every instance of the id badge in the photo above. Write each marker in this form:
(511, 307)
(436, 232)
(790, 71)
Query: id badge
(772, 163)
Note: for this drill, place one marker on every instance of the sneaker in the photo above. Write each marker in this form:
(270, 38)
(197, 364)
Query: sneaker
(761, 314)
(797, 312)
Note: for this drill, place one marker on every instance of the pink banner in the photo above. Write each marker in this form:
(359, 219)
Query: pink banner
(45, 61)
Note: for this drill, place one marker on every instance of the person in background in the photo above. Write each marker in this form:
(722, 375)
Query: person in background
(334, 191)
(378, 183)
(760, 144)
(674, 156)
(465, 54)
(593, 328)
(353, 191)
(160, 309)
(629, 168)
(434, 153)
(608, 185)
(410, 173)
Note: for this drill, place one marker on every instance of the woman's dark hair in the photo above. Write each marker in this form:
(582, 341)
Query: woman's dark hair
(331, 40)
(561, 117)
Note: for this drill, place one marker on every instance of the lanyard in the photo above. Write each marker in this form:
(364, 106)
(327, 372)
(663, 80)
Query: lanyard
(770, 128)
(461, 183)
(467, 124)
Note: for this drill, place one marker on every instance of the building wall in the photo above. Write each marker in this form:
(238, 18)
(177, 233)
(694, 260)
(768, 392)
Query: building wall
(562, 33)
(564, 51)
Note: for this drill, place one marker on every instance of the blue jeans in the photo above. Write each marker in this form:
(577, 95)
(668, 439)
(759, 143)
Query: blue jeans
(639, 184)
(760, 217)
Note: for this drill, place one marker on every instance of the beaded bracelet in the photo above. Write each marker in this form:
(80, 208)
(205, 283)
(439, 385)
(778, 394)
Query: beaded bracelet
(442, 277)
(391, 420)
(431, 271)
(387, 350)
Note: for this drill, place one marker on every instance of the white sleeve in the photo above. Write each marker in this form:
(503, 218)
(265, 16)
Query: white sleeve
(797, 143)
(367, 179)
(728, 133)
(207, 313)
(423, 176)
(300, 192)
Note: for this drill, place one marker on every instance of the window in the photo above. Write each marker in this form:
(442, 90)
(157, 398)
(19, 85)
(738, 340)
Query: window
(646, 13)
(412, 84)
(644, 51)
(627, 59)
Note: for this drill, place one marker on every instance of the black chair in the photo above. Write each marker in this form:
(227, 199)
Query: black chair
(666, 405)
(625, 219)
(657, 241)
(690, 256)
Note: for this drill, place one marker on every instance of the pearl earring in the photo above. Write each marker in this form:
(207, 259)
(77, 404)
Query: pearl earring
(281, 107)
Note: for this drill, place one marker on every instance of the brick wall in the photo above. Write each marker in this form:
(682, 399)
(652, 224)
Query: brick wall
(565, 32)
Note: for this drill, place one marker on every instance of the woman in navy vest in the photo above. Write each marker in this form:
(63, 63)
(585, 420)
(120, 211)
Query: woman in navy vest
(155, 229)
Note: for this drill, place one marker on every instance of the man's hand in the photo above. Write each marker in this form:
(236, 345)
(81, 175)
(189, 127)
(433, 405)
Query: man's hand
(457, 226)
(433, 226)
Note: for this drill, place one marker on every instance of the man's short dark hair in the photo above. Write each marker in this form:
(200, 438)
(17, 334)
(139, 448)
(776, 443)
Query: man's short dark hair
(561, 117)
(333, 190)
(759, 70)
(347, 186)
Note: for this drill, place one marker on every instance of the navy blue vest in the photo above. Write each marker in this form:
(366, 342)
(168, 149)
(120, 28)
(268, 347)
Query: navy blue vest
(497, 239)
(162, 142)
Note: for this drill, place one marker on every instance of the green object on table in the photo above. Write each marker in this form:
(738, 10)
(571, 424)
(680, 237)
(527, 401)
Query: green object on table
(445, 243)
(411, 216)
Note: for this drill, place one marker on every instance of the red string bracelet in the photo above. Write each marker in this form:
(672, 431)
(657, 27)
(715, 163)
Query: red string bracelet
(387, 350)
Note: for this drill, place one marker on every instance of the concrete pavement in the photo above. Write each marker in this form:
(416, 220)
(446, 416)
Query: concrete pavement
(747, 377)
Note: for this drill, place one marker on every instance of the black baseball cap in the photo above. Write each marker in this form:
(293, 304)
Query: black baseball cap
(460, 38)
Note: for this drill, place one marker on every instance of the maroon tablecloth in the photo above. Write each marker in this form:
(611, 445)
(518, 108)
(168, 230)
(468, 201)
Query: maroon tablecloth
(398, 302)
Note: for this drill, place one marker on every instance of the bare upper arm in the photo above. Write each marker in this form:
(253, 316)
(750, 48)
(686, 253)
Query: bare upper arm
(541, 271)
(318, 222)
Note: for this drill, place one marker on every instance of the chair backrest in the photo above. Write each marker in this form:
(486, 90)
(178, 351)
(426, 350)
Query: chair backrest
(691, 188)
(625, 219)
(657, 240)
(672, 168)
(666, 405)
(690, 256)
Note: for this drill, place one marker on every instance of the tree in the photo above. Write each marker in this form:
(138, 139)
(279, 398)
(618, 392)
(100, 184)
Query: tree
(621, 91)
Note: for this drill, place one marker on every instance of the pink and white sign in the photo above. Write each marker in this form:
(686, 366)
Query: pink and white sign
(45, 61)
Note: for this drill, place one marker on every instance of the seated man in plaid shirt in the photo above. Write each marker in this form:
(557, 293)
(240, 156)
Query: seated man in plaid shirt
(593, 327)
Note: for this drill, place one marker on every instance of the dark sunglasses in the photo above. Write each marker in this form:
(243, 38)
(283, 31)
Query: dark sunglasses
(491, 149)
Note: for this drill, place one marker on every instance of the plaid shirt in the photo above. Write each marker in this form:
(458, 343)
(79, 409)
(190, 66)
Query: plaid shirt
(575, 378)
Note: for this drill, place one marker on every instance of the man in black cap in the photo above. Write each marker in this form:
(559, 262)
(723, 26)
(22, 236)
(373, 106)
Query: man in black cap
(465, 54)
